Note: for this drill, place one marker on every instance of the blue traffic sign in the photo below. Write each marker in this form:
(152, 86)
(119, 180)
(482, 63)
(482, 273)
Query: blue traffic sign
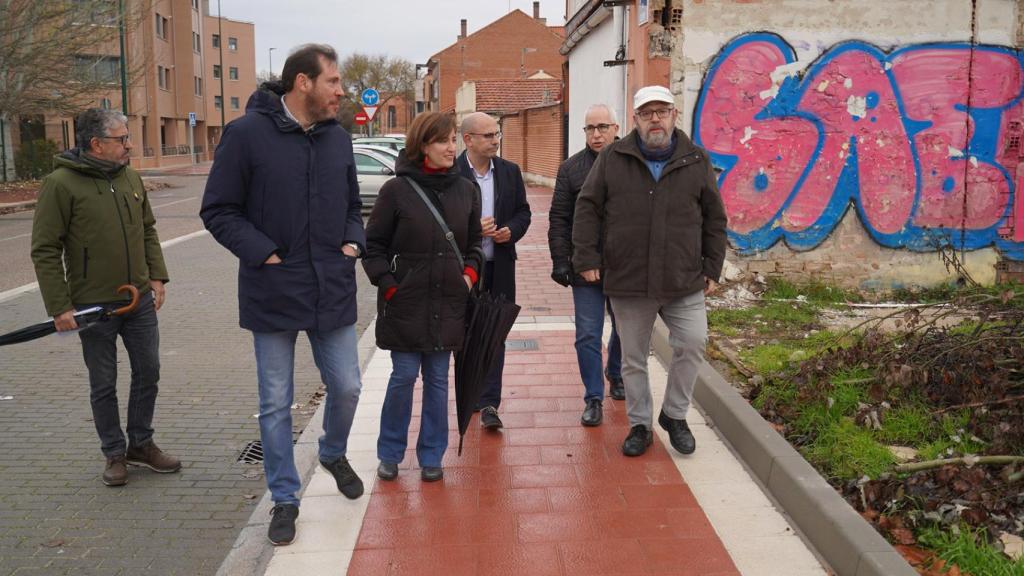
(370, 97)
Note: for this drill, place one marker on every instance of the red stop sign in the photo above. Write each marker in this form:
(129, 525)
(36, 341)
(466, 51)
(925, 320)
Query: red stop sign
(362, 118)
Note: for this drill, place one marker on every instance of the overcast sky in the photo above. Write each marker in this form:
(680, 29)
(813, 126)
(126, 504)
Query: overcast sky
(411, 29)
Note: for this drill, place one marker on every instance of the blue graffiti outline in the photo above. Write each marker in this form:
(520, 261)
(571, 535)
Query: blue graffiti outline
(846, 191)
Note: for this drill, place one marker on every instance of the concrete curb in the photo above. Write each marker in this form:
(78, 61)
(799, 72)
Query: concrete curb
(12, 207)
(849, 545)
(251, 551)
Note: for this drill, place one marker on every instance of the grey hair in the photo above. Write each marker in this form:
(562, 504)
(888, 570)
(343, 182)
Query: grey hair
(596, 107)
(96, 122)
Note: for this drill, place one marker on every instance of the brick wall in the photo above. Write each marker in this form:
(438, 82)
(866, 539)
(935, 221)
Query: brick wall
(495, 51)
(868, 161)
(533, 140)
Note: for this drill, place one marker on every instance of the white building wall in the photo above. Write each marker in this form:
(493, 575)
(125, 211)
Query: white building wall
(591, 82)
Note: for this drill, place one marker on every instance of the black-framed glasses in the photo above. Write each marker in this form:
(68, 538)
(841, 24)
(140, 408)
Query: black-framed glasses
(488, 136)
(602, 128)
(661, 113)
(122, 139)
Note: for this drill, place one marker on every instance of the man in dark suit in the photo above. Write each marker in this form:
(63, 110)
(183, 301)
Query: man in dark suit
(505, 217)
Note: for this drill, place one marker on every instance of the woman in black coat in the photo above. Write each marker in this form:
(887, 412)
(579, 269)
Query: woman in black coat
(421, 287)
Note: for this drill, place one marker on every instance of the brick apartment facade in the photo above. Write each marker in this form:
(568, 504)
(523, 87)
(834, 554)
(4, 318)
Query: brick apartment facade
(174, 52)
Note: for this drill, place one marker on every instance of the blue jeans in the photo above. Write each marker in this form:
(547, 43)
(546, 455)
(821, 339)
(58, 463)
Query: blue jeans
(141, 337)
(589, 304)
(397, 410)
(336, 355)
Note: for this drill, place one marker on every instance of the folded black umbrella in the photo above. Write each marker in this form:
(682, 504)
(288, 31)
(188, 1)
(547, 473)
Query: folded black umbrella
(489, 319)
(84, 318)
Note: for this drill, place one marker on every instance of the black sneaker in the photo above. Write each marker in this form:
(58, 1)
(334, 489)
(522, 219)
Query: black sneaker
(638, 440)
(348, 483)
(282, 524)
(678, 433)
(489, 418)
(616, 389)
(592, 414)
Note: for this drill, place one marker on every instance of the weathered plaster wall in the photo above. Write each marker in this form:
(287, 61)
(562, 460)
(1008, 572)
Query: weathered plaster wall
(812, 108)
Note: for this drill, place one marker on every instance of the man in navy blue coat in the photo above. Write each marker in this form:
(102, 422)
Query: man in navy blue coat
(283, 197)
(505, 217)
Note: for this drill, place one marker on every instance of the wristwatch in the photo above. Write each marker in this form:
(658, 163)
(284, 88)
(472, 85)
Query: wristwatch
(355, 247)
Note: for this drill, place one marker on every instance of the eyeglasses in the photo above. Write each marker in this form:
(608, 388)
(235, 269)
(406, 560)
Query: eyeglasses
(602, 128)
(122, 139)
(662, 113)
(488, 136)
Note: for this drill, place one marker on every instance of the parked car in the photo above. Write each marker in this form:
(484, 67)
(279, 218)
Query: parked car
(373, 169)
(393, 143)
(381, 149)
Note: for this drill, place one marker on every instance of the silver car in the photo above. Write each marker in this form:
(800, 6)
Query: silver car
(393, 143)
(373, 169)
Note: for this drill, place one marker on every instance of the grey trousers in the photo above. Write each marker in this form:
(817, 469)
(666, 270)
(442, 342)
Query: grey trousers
(687, 322)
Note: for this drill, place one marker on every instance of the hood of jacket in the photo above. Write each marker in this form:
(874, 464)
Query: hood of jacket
(267, 101)
(74, 159)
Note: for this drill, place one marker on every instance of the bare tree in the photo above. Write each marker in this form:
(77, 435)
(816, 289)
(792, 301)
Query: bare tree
(55, 56)
(390, 76)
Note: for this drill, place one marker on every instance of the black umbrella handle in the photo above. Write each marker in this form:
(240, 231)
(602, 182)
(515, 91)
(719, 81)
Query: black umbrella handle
(131, 305)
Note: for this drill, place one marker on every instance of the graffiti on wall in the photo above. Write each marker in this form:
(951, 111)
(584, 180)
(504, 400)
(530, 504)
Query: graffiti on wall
(922, 141)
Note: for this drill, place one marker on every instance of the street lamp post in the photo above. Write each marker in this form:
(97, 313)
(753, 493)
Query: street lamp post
(270, 58)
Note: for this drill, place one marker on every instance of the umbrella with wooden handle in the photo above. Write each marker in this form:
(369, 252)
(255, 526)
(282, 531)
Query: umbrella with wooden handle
(84, 318)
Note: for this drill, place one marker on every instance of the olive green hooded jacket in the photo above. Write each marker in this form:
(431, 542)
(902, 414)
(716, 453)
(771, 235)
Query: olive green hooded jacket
(91, 233)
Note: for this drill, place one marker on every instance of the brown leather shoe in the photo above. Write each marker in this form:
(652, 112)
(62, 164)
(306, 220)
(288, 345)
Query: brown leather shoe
(116, 473)
(151, 457)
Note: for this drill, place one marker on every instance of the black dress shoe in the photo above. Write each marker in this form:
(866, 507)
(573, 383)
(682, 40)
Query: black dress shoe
(387, 471)
(282, 524)
(616, 389)
(592, 414)
(431, 473)
(348, 482)
(489, 418)
(638, 440)
(678, 433)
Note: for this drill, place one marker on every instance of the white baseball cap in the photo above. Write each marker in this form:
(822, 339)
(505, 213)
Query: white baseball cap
(652, 94)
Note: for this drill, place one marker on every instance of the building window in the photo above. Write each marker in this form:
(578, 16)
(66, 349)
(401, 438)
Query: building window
(101, 69)
(105, 103)
(392, 117)
(197, 42)
(232, 44)
(216, 71)
(161, 26)
(233, 73)
(234, 103)
(195, 4)
(199, 85)
(218, 102)
(216, 40)
(163, 77)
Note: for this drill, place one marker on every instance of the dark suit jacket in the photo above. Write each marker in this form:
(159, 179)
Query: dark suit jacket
(510, 209)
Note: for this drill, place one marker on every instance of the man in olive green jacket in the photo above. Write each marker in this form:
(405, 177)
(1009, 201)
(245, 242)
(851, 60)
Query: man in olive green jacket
(94, 231)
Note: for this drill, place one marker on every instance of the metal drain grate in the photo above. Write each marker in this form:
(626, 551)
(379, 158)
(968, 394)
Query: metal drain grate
(252, 453)
(521, 345)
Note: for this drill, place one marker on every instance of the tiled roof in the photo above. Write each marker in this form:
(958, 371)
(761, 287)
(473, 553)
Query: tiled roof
(509, 96)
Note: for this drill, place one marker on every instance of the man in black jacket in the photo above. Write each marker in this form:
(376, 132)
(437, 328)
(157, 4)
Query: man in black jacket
(601, 127)
(505, 217)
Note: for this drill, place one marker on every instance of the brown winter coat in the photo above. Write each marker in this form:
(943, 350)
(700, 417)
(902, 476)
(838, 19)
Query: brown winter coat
(661, 238)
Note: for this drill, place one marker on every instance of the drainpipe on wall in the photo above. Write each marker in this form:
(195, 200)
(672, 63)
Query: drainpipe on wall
(3, 148)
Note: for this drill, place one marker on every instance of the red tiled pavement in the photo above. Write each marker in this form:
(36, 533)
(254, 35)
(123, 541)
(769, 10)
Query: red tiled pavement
(545, 496)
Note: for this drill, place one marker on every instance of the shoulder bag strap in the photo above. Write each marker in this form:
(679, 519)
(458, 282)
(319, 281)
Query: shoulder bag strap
(440, 220)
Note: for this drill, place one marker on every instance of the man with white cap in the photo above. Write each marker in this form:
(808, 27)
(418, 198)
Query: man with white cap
(655, 196)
